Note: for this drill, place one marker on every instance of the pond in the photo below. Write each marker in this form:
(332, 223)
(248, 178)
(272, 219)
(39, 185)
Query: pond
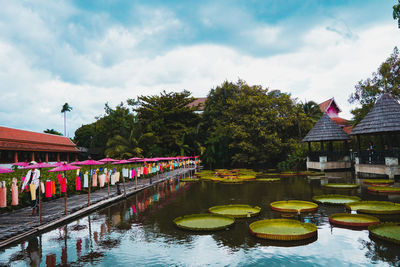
(140, 231)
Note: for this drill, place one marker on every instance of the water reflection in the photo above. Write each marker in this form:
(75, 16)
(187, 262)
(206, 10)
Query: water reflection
(140, 230)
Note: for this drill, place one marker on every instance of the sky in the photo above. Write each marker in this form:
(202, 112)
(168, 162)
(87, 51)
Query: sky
(88, 53)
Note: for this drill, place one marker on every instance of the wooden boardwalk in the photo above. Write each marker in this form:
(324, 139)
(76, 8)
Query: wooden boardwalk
(19, 224)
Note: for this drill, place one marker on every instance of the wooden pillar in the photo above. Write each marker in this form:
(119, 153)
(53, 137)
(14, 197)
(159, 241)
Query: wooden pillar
(309, 147)
(322, 146)
(46, 157)
(330, 146)
(15, 156)
(33, 156)
(358, 143)
(67, 157)
(58, 156)
(76, 157)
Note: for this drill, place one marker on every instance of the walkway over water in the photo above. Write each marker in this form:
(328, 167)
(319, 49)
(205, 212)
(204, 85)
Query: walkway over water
(19, 224)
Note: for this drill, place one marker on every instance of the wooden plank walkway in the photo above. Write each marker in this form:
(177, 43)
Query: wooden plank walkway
(19, 224)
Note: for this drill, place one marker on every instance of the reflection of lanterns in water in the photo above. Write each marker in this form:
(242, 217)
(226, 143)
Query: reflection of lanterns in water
(78, 247)
(96, 237)
(51, 260)
(102, 230)
(64, 255)
(116, 219)
(133, 208)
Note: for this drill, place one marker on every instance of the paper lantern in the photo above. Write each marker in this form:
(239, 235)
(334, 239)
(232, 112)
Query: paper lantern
(48, 189)
(94, 182)
(78, 183)
(63, 185)
(32, 188)
(3, 197)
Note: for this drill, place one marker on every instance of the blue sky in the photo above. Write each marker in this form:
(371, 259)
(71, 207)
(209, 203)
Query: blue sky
(88, 53)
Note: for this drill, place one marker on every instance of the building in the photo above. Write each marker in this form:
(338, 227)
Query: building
(19, 145)
(200, 103)
(383, 123)
(331, 108)
(326, 131)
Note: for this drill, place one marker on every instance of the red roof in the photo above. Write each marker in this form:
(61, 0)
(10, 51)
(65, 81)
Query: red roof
(326, 104)
(340, 121)
(14, 139)
(198, 102)
(348, 129)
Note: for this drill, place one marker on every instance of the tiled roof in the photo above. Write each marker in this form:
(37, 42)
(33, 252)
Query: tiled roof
(198, 102)
(383, 117)
(340, 121)
(325, 130)
(326, 104)
(14, 139)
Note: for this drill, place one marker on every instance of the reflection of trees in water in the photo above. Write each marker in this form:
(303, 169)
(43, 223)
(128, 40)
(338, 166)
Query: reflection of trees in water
(378, 250)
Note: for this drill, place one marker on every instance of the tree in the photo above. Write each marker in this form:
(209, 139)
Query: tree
(52, 131)
(248, 125)
(65, 108)
(169, 120)
(396, 13)
(385, 80)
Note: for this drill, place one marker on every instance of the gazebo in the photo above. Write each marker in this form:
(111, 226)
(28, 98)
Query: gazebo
(382, 123)
(327, 131)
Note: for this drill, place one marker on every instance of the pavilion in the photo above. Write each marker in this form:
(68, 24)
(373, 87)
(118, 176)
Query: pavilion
(19, 145)
(327, 131)
(382, 125)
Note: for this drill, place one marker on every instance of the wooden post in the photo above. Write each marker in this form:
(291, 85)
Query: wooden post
(46, 157)
(89, 187)
(65, 194)
(67, 157)
(358, 144)
(322, 146)
(309, 147)
(15, 156)
(123, 182)
(58, 156)
(40, 201)
(33, 156)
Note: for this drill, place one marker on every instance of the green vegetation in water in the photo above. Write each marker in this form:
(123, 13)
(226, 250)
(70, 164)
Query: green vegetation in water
(204, 222)
(341, 186)
(353, 219)
(378, 181)
(282, 229)
(246, 177)
(375, 207)
(293, 206)
(268, 180)
(189, 180)
(335, 199)
(236, 210)
(384, 189)
(386, 231)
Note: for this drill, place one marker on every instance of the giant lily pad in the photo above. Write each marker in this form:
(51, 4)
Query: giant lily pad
(268, 180)
(204, 222)
(378, 181)
(386, 231)
(341, 186)
(385, 189)
(353, 220)
(311, 173)
(246, 177)
(283, 229)
(335, 199)
(374, 207)
(236, 210)
(189, 180)
(293, 206)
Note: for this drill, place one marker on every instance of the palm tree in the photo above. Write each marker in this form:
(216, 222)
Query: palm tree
(121, 147)
(65, 108)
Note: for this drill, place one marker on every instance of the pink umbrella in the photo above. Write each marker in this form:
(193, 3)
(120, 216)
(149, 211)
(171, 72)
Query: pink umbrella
(134, 158)
(89, 162)
(39, 166)
(5, 170)
(22, 164)
(123, 161)
(58, 164)
(63, 168)
(105, 160)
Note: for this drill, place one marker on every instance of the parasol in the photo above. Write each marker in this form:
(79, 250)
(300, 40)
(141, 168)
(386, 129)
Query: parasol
(106, 160)
(21, 164)
(64, 168)
(123, 161)
(89, 162)
(5, 170)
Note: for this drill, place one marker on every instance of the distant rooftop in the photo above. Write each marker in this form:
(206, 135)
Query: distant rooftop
(198, 102)
(326, 130)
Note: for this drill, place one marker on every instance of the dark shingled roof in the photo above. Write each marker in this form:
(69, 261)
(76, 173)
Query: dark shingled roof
(383, 117)
(325, 130)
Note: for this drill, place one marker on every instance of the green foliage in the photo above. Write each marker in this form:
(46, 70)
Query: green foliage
(52, 131)
(385, 80)
(248, 126)
(295, 161)
(168, 122)
(396, 13)
(66, 108)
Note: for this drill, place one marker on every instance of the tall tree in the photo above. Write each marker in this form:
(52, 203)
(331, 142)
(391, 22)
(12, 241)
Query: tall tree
(385, 80)
(169, 120)
(396, 13)
(248, 126)
(65, 108)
